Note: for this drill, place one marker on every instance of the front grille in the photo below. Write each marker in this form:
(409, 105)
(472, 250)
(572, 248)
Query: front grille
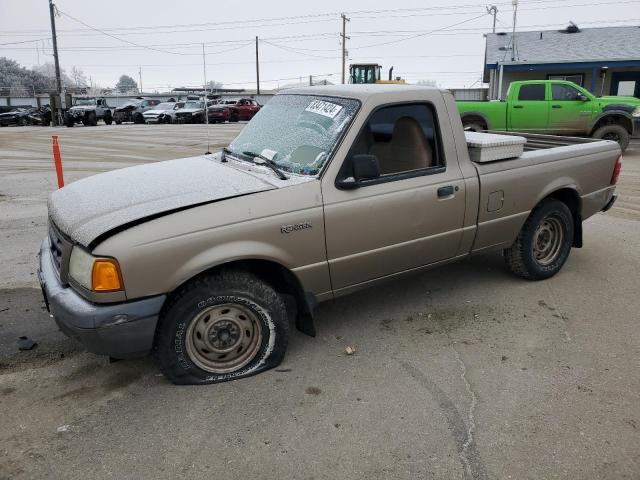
(55, 243)
(60, 251)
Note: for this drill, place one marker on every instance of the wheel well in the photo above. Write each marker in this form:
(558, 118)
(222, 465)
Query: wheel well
(282, 280)
(614, 119)
(571, 199)
(475, 119)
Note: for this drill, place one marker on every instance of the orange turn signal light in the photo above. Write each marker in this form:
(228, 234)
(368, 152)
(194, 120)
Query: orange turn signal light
(105, 276)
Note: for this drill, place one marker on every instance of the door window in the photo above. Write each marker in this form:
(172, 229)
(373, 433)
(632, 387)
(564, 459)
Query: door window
(531, 92)
(564, 93)
(404, 138)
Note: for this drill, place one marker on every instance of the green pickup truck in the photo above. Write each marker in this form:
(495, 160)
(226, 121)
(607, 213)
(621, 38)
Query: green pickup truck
(555, 107)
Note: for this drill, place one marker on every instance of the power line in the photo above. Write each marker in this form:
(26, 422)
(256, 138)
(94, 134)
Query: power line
(420, 34)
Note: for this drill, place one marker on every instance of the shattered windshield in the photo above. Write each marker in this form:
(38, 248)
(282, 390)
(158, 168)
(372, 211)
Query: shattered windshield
(296, 132)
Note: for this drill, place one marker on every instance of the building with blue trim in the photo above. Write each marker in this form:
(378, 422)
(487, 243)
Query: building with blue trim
(605, 61)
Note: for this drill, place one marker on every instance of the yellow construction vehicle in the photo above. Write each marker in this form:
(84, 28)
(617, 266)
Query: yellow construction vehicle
(370, 73)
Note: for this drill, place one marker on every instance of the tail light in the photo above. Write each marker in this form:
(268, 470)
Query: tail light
(616, 171)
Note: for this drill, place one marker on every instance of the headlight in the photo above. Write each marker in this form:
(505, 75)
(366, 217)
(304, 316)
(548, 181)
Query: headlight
(636, 112)
(96, 274)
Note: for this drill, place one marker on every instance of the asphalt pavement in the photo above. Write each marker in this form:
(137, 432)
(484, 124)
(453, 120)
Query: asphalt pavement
(463, 372)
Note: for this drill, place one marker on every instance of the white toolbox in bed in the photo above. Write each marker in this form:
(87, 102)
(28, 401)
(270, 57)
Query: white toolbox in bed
(489, 147)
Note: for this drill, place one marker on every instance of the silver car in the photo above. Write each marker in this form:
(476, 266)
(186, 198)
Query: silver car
(163, 113)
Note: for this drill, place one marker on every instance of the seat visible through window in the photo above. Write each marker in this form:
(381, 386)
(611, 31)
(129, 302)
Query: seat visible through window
(408, 149)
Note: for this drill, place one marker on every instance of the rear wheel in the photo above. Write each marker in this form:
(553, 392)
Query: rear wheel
(108, 119)
(544, 243)
(233, 117)
(473, 124)
(617, 133)
(138, 118)
(22, 121)
(221, 327)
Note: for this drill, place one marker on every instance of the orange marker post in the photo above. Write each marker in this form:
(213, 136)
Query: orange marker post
(57, 160)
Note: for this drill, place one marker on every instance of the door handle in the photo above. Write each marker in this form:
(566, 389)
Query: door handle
(445, 191)
(556, 106)
(518, 106)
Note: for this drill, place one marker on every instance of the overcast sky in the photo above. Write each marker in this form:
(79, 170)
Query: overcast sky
(298, 38)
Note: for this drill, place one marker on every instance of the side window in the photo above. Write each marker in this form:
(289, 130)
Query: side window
(531, 92)
(404, 138)
(564, 92)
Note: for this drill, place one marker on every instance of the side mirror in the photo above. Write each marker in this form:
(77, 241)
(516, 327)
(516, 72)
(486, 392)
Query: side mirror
(581, 97)
(365, 167)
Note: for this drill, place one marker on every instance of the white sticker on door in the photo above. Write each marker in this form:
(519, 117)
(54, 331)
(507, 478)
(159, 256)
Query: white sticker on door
(326, 109)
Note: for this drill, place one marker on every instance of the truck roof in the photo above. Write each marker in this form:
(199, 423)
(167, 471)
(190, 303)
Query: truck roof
(359, 91)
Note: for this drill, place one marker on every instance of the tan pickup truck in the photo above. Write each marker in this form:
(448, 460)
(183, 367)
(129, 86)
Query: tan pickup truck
(204, 261)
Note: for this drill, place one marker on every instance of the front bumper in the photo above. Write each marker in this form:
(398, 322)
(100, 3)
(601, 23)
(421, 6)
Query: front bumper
(123, 116)
(120, 330)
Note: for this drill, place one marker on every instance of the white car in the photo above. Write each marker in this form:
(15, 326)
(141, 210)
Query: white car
(163, 113)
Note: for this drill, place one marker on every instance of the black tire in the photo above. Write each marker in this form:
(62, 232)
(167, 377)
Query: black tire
(174, 349)
(617, 133)
(23, 122)
(118, 122)
(233, 117)
(93, 119)
(472, 126)
(68, 121)
(524, 257)
(108, 119)
(138, 118)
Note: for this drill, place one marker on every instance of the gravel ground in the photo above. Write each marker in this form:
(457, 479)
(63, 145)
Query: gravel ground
(464, 372)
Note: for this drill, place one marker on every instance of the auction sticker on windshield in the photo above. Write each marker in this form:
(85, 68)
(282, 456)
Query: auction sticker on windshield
(326, 109)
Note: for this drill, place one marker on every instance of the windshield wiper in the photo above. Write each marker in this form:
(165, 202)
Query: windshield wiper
(260, 159)
(225, 152)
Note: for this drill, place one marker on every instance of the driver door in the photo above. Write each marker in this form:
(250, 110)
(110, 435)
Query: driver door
(569, 113)
(411, 216)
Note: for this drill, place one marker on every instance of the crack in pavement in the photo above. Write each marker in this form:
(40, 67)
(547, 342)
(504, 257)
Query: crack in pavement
(470, 415)
(472, 464)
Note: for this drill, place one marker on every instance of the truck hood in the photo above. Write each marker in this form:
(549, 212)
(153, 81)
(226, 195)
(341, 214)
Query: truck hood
(91, 207)
(189, 110)
(619, 101)
(82, 108)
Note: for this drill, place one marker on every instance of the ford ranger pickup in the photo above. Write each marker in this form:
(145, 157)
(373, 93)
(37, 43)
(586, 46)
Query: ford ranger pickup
(204, 261)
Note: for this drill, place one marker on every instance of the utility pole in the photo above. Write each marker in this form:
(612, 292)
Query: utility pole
(140, 77)
(257, 69)
(206, 108)
(58, 120)
(514, 54)
(344, 43)
(493, 10)
(311, 80)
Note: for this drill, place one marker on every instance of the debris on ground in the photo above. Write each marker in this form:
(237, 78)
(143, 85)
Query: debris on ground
(25, 343)
(63, 428)
(350, 350)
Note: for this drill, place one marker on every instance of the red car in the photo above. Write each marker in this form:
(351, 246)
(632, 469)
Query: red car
(233, 110)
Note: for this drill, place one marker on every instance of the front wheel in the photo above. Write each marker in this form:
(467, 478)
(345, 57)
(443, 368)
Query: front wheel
(544, 243)
(617, 133)
(108, 119)
(221, 327)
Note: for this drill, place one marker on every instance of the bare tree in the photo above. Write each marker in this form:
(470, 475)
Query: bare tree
(79, 77)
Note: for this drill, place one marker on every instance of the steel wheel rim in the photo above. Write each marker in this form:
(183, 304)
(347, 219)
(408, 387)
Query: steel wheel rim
(547, 240)
(223, 338)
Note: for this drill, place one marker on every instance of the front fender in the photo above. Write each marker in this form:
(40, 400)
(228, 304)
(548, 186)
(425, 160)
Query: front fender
(231, 252)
